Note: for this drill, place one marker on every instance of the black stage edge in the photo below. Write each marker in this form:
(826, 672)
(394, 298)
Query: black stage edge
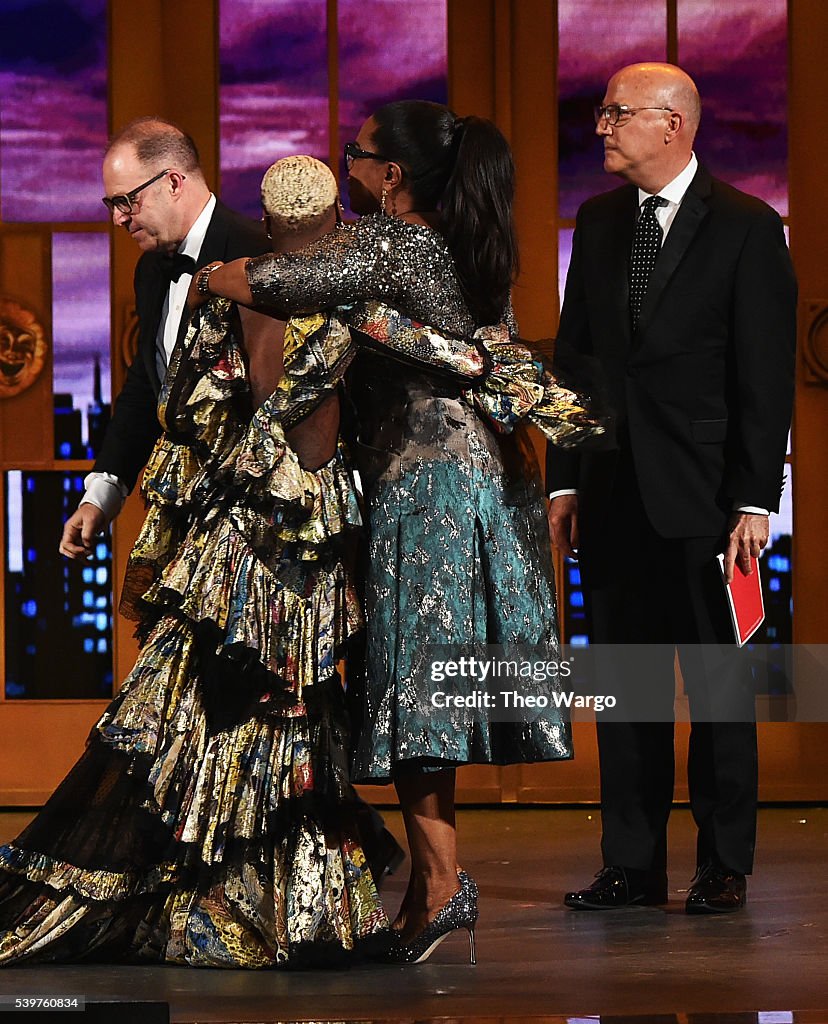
(92, 1013)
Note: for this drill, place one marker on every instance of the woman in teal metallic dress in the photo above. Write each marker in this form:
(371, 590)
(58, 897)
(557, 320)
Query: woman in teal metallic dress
(458, 550)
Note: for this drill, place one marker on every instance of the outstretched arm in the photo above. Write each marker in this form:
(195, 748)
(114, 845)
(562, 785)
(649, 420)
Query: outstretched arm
(341, 267)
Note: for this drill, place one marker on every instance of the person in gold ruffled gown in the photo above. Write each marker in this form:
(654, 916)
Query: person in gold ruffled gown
(210, 819)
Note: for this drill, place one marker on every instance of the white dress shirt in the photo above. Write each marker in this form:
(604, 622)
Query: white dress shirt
(103, 489)
(673, 193)
(176, 297)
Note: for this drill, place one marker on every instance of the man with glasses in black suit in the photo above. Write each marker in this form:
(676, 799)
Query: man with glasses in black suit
(156, 191)
(682, 289)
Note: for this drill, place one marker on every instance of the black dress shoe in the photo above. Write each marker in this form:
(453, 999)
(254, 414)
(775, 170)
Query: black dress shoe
(716, 890)
(620, 887)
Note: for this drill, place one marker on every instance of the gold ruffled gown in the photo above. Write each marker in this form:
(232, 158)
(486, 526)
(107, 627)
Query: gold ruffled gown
(209, 821)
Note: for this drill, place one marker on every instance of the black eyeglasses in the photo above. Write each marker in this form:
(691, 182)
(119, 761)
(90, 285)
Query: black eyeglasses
(353, 152)
(126, 203)
(614, 113)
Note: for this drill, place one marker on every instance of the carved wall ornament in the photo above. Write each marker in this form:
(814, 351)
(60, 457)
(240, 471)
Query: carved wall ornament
(129, 333)
(815, 345)
(23, 348)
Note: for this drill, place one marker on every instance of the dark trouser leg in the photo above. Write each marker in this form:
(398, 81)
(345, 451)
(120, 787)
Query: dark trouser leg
(723, 761)
(636, 758)
(722, 773)
(643, 588)
(637, 768)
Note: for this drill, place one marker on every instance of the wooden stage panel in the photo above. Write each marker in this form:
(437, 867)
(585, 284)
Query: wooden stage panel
(537, 960)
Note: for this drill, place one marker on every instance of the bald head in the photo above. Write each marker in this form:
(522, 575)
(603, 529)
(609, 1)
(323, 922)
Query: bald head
(666, 85)
(652, 143)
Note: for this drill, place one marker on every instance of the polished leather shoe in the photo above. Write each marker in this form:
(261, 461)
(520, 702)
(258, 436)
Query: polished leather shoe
(716, 890)
(620, 887)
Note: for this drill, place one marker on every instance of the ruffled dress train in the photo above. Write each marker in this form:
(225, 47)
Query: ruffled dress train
(209, 821)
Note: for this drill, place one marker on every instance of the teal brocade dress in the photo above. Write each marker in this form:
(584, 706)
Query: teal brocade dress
(458, 550)
(209, 820)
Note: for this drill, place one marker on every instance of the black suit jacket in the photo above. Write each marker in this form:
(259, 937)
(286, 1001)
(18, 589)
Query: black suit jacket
(134, 427)
(703, 390)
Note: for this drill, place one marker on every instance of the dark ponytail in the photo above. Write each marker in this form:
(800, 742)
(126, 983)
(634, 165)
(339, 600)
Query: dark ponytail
(477, 218)
(464, 167)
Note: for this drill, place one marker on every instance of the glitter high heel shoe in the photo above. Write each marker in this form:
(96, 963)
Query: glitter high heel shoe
(459, 912)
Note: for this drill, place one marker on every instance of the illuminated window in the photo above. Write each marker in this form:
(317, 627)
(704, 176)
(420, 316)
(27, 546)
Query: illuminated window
(80, 329)
(56, 614)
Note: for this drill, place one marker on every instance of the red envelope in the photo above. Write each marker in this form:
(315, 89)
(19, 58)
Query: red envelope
(744, 597)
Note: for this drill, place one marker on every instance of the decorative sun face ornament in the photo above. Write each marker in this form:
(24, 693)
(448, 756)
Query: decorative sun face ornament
(22, 348)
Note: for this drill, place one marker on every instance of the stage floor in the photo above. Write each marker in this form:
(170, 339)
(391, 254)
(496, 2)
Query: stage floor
(535, 958)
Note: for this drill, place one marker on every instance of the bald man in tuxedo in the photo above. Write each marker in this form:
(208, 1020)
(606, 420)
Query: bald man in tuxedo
(682, 290)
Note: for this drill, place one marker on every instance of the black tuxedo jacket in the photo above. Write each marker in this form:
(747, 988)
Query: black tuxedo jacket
(134, 427)
(703, 390)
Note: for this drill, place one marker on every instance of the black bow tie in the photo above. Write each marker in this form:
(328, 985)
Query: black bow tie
(176, 265)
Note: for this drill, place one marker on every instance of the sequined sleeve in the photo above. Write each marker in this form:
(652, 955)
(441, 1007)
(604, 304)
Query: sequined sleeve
(341, 267)
(507, 383)
(518, 387)
(404, 265)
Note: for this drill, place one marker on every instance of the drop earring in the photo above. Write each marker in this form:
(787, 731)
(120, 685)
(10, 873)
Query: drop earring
(384, 201)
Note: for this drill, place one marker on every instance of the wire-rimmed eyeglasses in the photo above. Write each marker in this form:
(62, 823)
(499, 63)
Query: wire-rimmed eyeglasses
(615, 113)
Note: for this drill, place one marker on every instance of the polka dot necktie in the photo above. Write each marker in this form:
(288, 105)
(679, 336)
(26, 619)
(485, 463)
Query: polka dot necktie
(646, 243)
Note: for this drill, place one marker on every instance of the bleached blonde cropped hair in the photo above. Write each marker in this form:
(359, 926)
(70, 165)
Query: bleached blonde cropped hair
(297, 192)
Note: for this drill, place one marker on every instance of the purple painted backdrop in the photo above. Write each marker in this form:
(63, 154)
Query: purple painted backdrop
(274, 96)
(273, 99)
(738, 55)
(594, 40)
(53, 112)
(388, 51)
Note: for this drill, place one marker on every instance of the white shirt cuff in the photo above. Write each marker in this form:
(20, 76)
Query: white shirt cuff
(106, 492)
(753, 510)
(563, 490)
